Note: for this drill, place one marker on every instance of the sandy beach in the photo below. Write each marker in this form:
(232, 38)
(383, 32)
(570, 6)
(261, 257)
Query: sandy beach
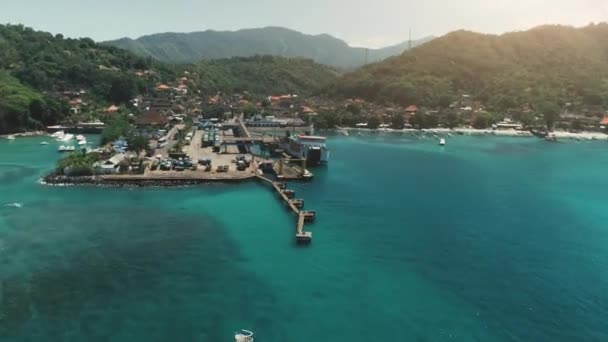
(560, 135)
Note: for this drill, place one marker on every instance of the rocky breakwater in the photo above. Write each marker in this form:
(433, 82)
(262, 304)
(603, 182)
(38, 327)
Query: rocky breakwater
(135, 180)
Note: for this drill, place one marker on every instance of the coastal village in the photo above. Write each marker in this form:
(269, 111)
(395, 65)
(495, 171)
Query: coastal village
(175, 135)
(176, 132)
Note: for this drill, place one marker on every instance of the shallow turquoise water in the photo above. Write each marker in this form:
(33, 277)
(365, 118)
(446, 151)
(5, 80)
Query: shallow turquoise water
(487, 239)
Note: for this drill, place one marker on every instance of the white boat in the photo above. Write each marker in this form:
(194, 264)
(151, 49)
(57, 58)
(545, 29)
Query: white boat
(82, 142)
(311, 148)
(44, 143)
(14, 205)
(243, 336)
(307, 174)
(442, 142)
(62, 148)
(66, 137)
(70, 149)
(11, 137)
(58, 134)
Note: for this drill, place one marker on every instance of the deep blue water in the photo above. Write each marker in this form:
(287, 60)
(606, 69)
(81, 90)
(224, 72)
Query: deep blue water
(487, 239)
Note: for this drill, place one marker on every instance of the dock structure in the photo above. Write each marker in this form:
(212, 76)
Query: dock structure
(244, 132)
(261, 139)
(295, 205)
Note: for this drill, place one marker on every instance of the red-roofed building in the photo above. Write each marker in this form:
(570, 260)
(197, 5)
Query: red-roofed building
(412, 109)
(111, 109)
(307, 110)
(152, 118)
(162, 87)
(604, 121)
(213, 99)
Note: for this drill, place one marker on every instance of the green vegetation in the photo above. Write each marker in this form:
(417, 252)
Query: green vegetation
(549, 64)
(78, 164)
(37, 68)
(40, 73)
(397, 121)
(137, 143)
(263, 75)
(115, 128)
(273, 41)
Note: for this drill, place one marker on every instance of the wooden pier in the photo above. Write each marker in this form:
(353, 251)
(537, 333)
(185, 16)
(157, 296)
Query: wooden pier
(295, 205)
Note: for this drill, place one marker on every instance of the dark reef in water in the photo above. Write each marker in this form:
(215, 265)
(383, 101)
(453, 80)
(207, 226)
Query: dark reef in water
(108, 274)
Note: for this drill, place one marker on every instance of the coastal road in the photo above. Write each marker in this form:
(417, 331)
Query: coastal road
(170, 142)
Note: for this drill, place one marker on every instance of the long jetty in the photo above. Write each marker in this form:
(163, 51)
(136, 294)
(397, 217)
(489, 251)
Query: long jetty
(295, 205)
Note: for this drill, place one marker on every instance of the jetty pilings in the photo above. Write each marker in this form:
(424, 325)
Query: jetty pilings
(295, 206)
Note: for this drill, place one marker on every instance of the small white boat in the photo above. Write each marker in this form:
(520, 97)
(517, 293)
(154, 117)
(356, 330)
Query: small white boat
(11, 137)
(442, 142)
(14, 205)
(61, 148)
(44, 143)
(82, 142)
(244, 336)
(66, 137)
(70, 149)
(80, 137)
(307, 174)
(58, 134)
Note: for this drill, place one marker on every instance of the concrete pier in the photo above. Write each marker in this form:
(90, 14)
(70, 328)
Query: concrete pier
(295, 205)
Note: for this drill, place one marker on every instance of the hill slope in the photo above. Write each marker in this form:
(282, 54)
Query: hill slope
(548, 63)
(274, 41)
(37, 68)
(40, 72)
(263, 75)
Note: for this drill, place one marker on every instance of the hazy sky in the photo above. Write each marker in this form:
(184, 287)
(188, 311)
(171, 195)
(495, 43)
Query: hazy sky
(363, 23)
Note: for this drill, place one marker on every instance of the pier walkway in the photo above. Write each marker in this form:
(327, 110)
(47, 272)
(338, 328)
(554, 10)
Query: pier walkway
(295, 206)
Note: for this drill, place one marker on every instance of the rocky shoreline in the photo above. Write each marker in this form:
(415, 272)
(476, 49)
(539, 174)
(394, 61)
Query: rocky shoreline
(24, 134)
(104, 181)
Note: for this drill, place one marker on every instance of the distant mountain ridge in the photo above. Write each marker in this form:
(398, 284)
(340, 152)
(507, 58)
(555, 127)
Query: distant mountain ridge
(547, 64)
(275, 41)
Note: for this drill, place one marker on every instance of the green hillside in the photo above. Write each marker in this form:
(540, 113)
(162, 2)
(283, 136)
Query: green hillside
(557, 64)
(38, 69)
(263, 75)
(272, 41)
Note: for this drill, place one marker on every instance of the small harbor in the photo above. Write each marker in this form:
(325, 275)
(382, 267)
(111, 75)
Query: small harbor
(203, 153)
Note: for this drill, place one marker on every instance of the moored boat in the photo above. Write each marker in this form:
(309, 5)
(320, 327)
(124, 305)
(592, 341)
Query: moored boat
(243, 336)
(442, 142)
(58, 134)
(311, 148)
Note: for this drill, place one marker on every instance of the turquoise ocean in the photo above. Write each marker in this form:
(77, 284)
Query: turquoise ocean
(486, 239)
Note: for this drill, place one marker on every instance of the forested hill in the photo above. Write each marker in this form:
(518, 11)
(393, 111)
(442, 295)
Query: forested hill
(38, 69)
(549, 63)
(263, 75)
(273, 41)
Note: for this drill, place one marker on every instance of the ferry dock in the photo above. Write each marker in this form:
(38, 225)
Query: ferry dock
(296, 206)
(188, 155)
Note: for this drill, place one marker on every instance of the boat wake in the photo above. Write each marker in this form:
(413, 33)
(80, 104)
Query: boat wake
(14, 205)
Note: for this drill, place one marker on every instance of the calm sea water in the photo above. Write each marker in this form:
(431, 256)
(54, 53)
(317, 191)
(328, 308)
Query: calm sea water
(487, 239)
